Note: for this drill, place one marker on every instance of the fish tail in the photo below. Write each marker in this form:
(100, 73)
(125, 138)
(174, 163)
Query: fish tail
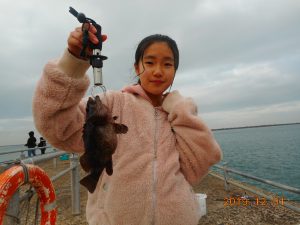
(109, 167)
(90, 182)
(84, 162)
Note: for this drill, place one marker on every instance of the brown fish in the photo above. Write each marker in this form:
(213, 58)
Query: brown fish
(100, 142)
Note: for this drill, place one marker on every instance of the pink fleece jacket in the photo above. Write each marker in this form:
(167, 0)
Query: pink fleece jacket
(165, 150)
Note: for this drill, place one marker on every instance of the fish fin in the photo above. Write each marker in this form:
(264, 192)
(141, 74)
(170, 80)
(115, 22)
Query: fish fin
(90, 100)
(90, 181)
(98, 100)
(84, 162)
(120, 128)
(90, 107)
(109, 167)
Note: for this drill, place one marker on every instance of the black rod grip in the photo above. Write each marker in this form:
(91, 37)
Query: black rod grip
(73, 11)
(80, 16)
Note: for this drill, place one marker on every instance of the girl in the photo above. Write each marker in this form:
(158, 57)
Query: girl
(167, 147)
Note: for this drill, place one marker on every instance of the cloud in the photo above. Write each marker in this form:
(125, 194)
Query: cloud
(15, 131)
(242, 86)
(251, 116)
(234, 55)
(230, 32)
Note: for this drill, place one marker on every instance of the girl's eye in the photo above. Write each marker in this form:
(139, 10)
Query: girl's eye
(168, 64)
(149, 63)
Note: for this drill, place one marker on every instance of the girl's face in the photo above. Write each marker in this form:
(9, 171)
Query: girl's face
(156, 69)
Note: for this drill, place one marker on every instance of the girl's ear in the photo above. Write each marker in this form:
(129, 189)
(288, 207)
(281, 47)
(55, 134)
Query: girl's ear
(136, 68)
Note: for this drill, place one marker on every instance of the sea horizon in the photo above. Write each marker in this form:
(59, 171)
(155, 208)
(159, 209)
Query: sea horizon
(255, 126)
(267, 151)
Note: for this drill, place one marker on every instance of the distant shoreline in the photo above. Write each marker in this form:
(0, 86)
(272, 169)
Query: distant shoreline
(245, 127)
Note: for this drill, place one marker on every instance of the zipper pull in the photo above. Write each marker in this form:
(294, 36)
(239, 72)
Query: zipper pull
(155, 113)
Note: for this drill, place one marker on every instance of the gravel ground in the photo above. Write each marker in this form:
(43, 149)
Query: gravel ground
(219, 211)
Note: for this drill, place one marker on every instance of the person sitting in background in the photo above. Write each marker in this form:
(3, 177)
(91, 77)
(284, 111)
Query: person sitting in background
(42, 144)
(31, 143)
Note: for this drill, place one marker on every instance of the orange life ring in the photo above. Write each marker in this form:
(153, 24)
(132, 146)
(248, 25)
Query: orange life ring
(14, 177)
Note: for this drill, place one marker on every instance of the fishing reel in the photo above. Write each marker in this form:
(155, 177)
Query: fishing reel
(96, 59)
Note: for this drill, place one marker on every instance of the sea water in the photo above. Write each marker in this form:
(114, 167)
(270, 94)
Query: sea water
(271, 153)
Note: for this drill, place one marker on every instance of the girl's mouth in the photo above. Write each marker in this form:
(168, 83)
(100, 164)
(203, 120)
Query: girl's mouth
(157, 81)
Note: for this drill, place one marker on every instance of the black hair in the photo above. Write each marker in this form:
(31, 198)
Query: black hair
(149, 40)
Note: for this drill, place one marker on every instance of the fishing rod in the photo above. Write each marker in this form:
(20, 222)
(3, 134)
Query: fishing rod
(96, 59)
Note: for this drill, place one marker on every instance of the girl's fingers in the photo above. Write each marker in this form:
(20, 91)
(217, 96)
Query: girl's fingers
(75, 40)
(104, 37)
(93, 38)
(93, 29)
(78, 29)
(78, 33)
(92, 34)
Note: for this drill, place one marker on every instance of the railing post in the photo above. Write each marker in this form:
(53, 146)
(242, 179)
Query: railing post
(54, 163)
(226, 184)
(54, 160)
(22, 156)
(75, 187)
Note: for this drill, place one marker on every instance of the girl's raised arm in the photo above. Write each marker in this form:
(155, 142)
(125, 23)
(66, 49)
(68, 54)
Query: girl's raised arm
(58, 108)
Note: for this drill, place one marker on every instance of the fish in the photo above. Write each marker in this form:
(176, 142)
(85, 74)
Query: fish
(100, 142)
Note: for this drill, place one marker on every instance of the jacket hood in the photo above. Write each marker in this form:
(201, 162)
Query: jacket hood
(138, 90)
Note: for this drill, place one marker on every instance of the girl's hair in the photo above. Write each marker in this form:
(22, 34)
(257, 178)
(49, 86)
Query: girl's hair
(147, 41)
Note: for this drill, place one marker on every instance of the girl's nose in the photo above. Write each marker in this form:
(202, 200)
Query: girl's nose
(157, 70)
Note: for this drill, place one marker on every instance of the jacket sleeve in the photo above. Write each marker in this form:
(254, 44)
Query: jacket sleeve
(198, 149)
(58, 108)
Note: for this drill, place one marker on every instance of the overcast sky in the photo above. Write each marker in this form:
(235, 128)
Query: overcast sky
(239, 59)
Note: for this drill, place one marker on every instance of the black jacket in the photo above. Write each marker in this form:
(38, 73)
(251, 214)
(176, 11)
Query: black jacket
(31, 142)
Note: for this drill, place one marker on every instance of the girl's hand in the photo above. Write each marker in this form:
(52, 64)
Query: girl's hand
(75, 41)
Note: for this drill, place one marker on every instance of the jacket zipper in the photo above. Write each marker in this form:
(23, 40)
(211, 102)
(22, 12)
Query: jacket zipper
(154, 166)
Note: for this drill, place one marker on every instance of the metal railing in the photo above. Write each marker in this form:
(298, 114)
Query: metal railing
(22, 153)
(225, 177)
(13, 207)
